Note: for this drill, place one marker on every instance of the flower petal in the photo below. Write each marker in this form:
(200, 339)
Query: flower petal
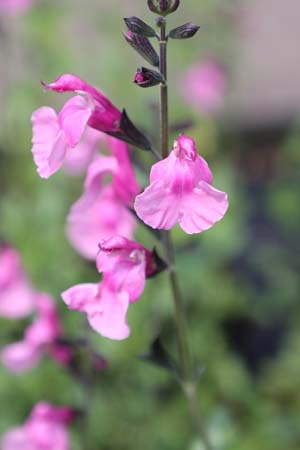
(15, 439)
(49, 144)
(74, 116)
(202, 208)
(109, 316)
(20, 356)
(93, 219)
(79, 296)
(157, 207)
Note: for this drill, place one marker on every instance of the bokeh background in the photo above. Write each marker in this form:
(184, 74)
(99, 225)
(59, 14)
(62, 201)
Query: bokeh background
(240, 279)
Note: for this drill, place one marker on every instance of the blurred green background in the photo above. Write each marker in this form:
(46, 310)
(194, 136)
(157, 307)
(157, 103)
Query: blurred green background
(240, 279)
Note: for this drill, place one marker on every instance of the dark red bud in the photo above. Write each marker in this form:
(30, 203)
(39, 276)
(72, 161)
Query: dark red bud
(147, 78)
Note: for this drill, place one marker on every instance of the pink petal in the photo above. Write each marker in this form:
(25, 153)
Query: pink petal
(157, 207)
(47, 434)
(16, 439)
(46, 326)
(202, 208)
(109, 316)
(79, 158)
(49, 143)
(105, 116)
(69, 82)
(125, 183)
(102, 166)
(17, 297)
(14, 6)
(74, 116)
(20, 356)
(16, 300)
(78, 297)
(123, 263)
(128, 279)
(46, 411)
(204, 86)
(111, 251)
(90, 222)
(163, 170)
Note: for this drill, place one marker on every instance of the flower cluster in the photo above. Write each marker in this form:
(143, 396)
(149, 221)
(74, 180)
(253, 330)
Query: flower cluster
(45, 429)
(40, 336)
(103, 209)
(124, 264)
(54, 136)
(180, 191)
(18, 299)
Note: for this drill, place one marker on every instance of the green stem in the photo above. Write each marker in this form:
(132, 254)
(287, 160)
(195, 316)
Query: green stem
(164, 103)
(186, 363)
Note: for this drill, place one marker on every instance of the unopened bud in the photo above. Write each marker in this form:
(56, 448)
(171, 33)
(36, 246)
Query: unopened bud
(137, 26)
(163, 7)
(147, 78)
(154, 264)
(143, 46)
(185, 31)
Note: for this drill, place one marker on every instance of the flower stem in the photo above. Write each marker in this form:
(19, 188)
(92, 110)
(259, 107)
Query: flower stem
(186, 363)
(164, 103)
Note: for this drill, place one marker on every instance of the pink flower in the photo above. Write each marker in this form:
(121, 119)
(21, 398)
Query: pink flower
(204, 86)
(16, 294)
(78, 159)
(125, 184)
(40, 336)
(105, 309)
(14, 6)
(125, 265)
(103, 115)
(181, 191)
(55, 136)
(45, 429)
(102, 211)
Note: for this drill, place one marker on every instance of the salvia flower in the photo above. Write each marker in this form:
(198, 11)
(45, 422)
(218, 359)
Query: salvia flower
(45, 429)
(124, 265)
(105, 309)
(14, 6)
(101, 113)
(102, 210)
(180, 191)
(77, 161)
(54, 136)
(17, 297)
(39, 337)
(204, 85)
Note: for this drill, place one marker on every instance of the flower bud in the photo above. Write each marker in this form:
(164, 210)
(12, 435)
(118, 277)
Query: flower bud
(154, 264)
(147, 78)
(163, 7)
(143, 46)
(137, 26)
(185, 31)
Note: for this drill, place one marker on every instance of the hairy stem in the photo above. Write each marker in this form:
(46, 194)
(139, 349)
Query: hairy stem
(186, 363)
